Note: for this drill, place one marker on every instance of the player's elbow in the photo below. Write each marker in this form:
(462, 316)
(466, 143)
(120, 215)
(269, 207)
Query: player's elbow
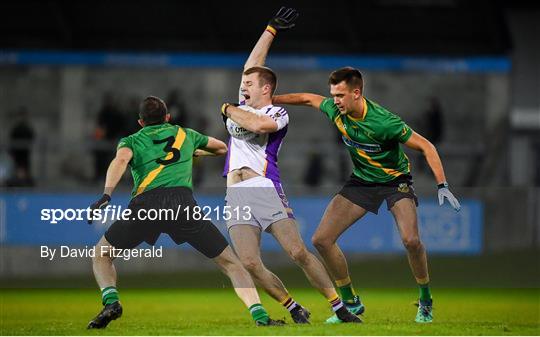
(428, 148)
(262, 129)
(122, 160)
(264, 126)
(216, 146)
(307, 99)
(123, 156)
(221, 151)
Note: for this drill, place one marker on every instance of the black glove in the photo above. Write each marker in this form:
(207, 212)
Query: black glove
(284, 19)
(101, 203)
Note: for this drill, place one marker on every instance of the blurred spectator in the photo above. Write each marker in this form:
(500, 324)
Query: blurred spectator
(6, 167)
(177, 108)
(434, 120)
(110, 127)
(433, 130)
(131, 113)
(21, 138)
(536, 160)
(21, 178)
(314, 170)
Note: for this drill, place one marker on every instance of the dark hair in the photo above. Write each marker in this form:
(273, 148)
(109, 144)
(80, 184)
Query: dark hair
(351, 76)
(152, 110)
(266, 76)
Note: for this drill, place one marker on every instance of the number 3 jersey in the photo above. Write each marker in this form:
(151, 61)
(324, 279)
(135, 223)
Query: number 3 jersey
(162, 156)
(261, 152)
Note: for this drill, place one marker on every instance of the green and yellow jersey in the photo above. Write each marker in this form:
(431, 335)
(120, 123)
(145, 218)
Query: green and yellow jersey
(162, 156)
(372, 140)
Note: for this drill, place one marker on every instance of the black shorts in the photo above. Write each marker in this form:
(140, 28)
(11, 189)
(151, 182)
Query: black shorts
(200, 234)
(371, 195)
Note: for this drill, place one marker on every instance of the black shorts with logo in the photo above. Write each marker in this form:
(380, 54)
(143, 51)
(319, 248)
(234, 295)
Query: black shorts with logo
(200, 234)
(371, 195)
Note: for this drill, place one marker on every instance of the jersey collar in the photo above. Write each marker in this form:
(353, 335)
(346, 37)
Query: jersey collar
(266, 107)
(364, 111)
(155, 126)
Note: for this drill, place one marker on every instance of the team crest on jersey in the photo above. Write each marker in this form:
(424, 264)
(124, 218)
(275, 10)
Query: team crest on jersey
(403, 188)
(370, 135)
(404, 131)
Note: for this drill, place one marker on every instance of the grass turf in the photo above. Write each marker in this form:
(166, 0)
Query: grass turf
(507, 311)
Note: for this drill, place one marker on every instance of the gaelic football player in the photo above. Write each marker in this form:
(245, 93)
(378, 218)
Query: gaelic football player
(372, 135)
(160, 156)
(253, 180)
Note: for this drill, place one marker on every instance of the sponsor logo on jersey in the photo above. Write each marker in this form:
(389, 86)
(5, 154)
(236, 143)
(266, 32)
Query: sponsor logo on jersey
(370, 148)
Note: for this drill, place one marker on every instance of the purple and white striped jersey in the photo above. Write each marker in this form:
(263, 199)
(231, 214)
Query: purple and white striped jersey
(261, 152)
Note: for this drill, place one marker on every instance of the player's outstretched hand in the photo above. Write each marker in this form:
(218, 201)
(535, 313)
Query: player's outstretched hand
(101, 203)
(444, 192)
(284, 19)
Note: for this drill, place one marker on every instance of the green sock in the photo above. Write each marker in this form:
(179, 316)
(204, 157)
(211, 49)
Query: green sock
(425, 294)
(109, 295)
(258, 313)
(347, 293)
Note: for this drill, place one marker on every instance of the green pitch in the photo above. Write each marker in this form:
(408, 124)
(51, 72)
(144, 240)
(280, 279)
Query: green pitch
(220, 312)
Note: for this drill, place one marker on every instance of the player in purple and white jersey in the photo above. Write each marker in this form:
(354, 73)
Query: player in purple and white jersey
(257, 131)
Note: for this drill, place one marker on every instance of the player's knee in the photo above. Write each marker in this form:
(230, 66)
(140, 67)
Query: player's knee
(299, 254)
(412, 244)
(320, 242)
(251, 264)
(233, 268)
(101, 253)
(227, 260)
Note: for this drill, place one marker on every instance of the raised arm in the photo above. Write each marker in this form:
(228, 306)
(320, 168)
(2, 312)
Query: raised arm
(311, 100)
(284, 19)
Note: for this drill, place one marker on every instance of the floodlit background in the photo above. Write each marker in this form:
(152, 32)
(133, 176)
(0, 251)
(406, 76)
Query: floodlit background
(465, 75)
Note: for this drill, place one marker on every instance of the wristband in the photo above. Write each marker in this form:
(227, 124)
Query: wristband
(271, 30)
(442, 185)
(224, 108)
